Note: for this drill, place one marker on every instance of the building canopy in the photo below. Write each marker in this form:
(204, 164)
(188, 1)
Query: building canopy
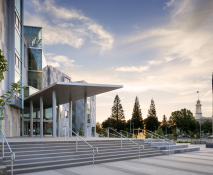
(67, 91)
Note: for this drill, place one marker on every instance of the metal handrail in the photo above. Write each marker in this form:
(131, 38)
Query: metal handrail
(152, 133)
(127, 139)
(158, 139)
(109, 133)
(93, 148)
(12, 153)
(127, 133)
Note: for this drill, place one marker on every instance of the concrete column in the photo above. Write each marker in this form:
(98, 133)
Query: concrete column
(22, 122)
(70, 118)
(31, 118)
(54, 114)
(85, 116)
(58, 118)
(41, 116)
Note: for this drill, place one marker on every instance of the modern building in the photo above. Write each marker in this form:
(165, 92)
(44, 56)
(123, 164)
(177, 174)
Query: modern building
(50, 100)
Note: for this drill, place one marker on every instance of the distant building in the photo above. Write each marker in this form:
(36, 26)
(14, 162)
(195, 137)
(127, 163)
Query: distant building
(198, 113)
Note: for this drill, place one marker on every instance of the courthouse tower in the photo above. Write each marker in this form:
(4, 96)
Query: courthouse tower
(198, 112)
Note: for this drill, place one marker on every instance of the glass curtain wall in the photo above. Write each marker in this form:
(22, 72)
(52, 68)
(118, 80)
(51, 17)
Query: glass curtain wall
(88, 109)
(33, 36)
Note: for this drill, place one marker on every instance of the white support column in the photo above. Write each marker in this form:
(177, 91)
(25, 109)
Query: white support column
(22, 123)
(54, 114)
(85, 116)
(41, 116)
(70, 118)
(58, 118)
(31, 118)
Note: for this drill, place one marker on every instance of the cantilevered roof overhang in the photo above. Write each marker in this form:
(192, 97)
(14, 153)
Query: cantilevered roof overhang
(67, 91)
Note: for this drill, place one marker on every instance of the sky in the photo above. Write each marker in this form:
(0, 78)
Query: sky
(160, 49)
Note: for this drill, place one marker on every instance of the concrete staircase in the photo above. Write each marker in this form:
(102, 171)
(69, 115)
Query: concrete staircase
(39, 156)
(169, 149)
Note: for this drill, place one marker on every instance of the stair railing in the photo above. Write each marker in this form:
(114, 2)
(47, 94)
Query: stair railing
(127, 133)
(158, 136)
(12, 153)
(163, 140)
(127, 139)
(77, 136)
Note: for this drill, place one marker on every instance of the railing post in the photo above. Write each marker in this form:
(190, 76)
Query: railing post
(93, 157)
(76, 144)
(151, 140)
(121, 141)
(139, 152)
(2, 145)
(133, 133)
(169, 149)
(11, 163)
(65, 133)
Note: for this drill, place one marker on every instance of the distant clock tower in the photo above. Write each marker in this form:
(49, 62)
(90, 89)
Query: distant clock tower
(198, 112)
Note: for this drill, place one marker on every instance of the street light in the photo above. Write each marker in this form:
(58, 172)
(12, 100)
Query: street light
(130, 124)
(133, 129)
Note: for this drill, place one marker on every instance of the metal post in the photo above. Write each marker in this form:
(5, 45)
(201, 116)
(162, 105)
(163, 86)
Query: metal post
(151, 140)
(76, 144)
(2, 145)
(65, 133)
(127, 134)
(139, 152)
(121, 141)
(108, 133)
(200, 130)
(93, 157)
(169, 148)
(11, 164)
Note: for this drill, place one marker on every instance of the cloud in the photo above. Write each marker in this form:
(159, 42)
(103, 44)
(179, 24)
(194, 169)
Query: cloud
(54, 64)
(63, 30)
(60, 60)
(132, 69)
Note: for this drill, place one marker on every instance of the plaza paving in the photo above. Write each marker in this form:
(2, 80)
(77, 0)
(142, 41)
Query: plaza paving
(199, 162)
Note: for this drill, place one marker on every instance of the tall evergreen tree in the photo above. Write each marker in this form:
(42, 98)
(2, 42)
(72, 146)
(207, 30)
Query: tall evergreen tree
(164, 123)
(151, 121)
(117, 112)
(137, 115)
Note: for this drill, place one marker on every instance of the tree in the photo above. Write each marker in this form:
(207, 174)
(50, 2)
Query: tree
(159, 131)
(152, 120)
(117, 112)
(184, 120)
(164, 123)
(206, 126)
(98, 127)
(14, 90)
(137, 115)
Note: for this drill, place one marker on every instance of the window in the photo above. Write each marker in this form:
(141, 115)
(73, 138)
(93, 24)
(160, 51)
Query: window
(66, 114)
(18, 62)
(61, 109)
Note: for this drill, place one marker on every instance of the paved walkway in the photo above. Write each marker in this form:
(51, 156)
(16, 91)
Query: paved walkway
(199, 162)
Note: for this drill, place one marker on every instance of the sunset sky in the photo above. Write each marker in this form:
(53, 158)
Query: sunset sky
(156, 49)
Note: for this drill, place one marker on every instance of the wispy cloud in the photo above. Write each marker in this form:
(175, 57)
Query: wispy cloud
(63, 30)
(132, 69)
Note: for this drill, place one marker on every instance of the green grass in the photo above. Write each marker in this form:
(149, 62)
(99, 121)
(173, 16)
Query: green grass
(183, 142)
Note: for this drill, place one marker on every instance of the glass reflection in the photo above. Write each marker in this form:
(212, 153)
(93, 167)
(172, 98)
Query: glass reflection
(35, 79)
(33, 35)
(34, 59)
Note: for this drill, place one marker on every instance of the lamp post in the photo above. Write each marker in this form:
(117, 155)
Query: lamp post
(133, 129)
(130, 124)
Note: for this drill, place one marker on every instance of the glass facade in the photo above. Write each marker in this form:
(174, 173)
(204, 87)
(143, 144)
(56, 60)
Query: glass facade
(88, 109)
(35, 79)
(34, 59)
(33, 35)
